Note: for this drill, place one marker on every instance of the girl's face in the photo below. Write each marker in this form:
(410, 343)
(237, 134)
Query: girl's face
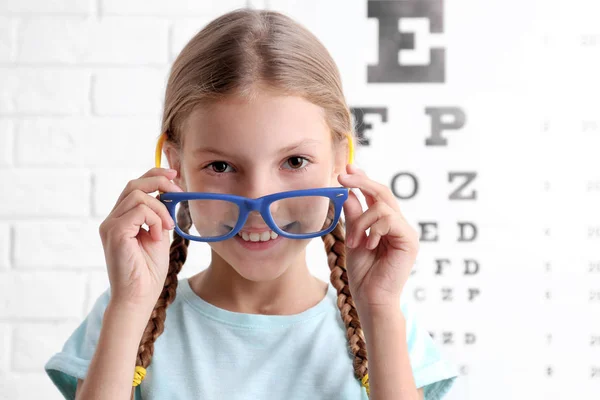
(252, 149)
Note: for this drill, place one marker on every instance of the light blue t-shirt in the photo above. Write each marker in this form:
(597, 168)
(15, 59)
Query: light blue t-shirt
(206, 352)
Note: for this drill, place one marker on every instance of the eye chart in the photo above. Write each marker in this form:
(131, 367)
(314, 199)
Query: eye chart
(484, 120)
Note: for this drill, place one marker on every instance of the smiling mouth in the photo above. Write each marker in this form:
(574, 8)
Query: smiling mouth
(264, 236)
(285, 228)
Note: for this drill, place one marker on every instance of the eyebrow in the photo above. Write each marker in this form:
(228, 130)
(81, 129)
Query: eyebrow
(286, 149)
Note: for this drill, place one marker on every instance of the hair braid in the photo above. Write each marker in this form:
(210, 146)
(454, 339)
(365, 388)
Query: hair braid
(335, 247)
(177, 257)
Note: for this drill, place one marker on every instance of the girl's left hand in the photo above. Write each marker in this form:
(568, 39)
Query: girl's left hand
(378, 265)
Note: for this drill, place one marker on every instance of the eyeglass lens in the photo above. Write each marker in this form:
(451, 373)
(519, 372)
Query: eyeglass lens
(294, 215)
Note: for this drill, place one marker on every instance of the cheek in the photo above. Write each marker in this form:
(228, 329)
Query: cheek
(321, 175)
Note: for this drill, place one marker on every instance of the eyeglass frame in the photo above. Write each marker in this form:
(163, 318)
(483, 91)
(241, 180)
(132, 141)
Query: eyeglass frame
(262, 204)
(338, 195)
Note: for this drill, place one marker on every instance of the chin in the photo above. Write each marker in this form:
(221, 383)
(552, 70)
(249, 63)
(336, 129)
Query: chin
(259, 272)
(260, 265)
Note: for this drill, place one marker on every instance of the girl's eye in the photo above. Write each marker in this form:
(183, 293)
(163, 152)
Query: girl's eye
(297, 162)
(219, 166)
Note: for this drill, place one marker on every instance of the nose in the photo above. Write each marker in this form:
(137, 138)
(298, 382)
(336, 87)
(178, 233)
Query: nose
(258, 185)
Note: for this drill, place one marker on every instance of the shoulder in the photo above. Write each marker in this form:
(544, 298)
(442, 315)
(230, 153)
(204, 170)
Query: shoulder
(434, 371)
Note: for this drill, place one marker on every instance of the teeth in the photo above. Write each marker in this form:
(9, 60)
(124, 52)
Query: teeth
(264, 236)
(258, 237)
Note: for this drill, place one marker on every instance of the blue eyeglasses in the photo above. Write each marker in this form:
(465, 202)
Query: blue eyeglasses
(295, 214)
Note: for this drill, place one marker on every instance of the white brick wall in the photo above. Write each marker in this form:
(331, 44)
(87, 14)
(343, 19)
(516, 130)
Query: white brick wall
(4, 246)
(81, 91)
(42, 90)
(33, 7)
(107, 41)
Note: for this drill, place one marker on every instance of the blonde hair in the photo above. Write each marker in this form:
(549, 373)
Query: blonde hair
(240, 53)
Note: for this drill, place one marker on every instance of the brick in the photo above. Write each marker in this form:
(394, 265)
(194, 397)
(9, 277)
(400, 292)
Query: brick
(41, 295)
(183, 31)
(7, 128)
(28, 386)
(5, 245)
(172, 8)
(129, 92)
(58, 244)
(29, 90)
(5, 339)
(108, 185)
(34, 343)
(41, 193)
(86, 142)
(8, 36)
(114, 41)
(258, 4)
(79, 7)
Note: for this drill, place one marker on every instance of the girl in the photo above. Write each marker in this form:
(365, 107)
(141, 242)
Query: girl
(254, 106)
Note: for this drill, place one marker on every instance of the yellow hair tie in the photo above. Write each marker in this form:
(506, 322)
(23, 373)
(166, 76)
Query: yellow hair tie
(158, 151)
(365, 383)
(138, 377)
(350, 148)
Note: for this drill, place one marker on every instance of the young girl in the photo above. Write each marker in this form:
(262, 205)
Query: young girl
(254, 106)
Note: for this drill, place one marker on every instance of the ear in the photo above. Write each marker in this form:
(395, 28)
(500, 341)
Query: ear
(342, 151)
(174, 159)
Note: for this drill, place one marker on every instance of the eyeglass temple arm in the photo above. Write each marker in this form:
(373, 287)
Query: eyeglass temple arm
(350, 149)
(158, 152)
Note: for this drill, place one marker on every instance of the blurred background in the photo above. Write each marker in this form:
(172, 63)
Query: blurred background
(481, 116)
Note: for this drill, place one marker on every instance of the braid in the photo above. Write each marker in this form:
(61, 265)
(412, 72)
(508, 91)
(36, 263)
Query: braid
(335, 247)
(156, 324)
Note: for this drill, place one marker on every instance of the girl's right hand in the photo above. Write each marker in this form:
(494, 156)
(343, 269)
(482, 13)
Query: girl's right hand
(138, 259)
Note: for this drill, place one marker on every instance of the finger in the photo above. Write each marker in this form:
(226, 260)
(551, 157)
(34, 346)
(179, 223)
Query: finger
(380, 228)
(133, 220)
(352, 210)
(353, 169)
(148, 185)
(366, 220)
(398, 233)
(156, 179)
(138, 197)
(372, 190)
(368, 187)
(157, 171)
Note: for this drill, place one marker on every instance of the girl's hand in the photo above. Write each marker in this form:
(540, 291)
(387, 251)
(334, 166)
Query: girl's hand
(138, 259)
(378, 265)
